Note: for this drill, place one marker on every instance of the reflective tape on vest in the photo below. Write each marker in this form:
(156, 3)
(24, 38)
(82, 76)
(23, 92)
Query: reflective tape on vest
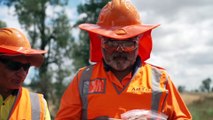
(84, 88)
(35, 106)
(157, 92)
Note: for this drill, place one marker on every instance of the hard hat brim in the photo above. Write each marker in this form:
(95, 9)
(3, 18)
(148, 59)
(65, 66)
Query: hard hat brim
(119, 33)
(34, 56)
(145, 42)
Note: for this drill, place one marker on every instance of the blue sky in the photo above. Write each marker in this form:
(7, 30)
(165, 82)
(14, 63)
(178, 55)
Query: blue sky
(183, 44)
(74, 3)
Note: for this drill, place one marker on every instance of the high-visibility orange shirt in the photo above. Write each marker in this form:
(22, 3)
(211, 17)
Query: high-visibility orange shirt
(119, 84)
(102, 94)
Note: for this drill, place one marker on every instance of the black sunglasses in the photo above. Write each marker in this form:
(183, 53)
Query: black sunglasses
(15, 66)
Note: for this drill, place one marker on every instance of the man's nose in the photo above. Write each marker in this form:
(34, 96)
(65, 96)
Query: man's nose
(120, 48)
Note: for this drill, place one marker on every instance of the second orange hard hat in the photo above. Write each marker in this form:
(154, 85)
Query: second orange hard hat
(14, 43)
(119, 20)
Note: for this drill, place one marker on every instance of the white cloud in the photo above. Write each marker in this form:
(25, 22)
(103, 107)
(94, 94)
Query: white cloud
(183, 42)
(8, 15)
(69, 11)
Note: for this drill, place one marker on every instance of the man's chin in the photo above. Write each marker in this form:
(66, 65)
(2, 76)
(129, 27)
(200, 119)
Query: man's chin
(119, 68)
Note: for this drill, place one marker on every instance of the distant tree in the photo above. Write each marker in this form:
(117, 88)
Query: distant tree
(206, 85)
(196, 90)
(47, 32)
(2, 24)
(90, 10)
(181, 89)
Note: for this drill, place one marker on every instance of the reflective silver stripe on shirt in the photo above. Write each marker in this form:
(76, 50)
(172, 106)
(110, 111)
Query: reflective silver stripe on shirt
(35, 106)
(84, 88)
(156, 91)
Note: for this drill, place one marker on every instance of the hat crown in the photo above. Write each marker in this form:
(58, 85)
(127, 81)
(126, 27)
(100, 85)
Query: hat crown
(13, 37)
(118, 13)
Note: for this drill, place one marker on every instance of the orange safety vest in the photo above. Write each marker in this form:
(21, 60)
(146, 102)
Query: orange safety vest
(92, 94)
(27, 106)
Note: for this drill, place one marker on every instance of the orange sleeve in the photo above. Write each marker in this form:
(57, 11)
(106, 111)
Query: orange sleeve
(71, 106)
(174, 105)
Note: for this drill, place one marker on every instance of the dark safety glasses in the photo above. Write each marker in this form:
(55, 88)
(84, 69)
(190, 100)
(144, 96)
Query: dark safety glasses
(124, 45)
(13, 65)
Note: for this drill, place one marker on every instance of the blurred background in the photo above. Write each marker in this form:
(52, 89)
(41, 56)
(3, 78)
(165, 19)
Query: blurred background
(183, 44)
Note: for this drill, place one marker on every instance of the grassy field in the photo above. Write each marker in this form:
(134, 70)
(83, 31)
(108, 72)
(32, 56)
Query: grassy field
(200, 105)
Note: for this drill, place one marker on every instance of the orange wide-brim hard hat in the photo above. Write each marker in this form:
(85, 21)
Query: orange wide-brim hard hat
(119, 20)
(14, 43)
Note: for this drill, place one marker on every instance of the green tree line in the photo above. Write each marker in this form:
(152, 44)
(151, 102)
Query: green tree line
(205, 86)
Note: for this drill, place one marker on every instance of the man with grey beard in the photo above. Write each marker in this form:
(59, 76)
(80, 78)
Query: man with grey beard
(121, 81)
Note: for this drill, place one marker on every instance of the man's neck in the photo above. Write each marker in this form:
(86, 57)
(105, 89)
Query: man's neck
(121, 74)
(5, 93)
